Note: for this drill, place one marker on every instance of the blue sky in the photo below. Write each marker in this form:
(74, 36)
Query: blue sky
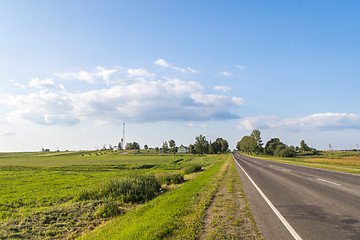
(72, 72)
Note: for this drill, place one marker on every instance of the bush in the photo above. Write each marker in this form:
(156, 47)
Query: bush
(193, 168)
(171, 178)
(133, 188)
(109, 209)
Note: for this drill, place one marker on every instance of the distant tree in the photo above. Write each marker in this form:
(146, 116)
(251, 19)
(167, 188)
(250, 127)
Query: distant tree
(246, 144)
(256, 136)
(304, 147)
(133, 145)
(136, 145)
(284, 151)
(157, 149)
(165, 147)
(192, 149)
(146, 147)
(172, 143)
(271, 146)
(212, 148)
(201, 144)
(172, 146)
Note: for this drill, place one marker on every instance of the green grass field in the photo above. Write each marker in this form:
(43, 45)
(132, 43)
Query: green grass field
(40, 191)
(343, 161)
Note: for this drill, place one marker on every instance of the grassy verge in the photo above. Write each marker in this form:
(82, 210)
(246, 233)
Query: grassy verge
(229, 215)
(342, 164)
(177, 214)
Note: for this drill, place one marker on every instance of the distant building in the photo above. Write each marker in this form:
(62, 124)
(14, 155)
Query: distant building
(183, 149)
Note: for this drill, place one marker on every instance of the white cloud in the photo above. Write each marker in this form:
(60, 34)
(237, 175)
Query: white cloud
(45, 83)
(161, 62)
(240, 67)
(81, 75)
(6, 133)
(319, 121)
(192, 70)
(327, 121)
(238, 101)
(139, 72)
(254, 122)
(202, 125)
(225, 74)
(105, 73)
(223, 88)
(89, 77)
(19, 85)
(143, 100)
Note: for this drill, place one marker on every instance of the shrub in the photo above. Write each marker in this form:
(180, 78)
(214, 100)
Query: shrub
(193, 168)
(109, 209)
(171, 178)
(133, 188)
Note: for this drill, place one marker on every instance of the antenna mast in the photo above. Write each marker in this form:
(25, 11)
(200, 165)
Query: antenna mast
(123, 138)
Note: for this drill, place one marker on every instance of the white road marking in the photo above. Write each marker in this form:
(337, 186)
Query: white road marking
(278, 214)
(322, 180)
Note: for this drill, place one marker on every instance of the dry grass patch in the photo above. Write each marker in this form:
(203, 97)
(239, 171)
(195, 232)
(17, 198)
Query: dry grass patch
(350, 160)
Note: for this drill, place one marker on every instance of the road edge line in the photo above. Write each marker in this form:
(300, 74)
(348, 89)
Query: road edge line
(277, 213)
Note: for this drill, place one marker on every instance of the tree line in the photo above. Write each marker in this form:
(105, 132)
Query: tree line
(253, 144)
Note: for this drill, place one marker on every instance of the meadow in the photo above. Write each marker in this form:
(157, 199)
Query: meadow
(64, 195)
(33, 185)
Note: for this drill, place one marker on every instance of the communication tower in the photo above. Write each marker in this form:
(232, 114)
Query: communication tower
(123, 138)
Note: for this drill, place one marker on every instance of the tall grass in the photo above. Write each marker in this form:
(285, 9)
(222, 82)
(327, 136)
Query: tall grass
(197, 167)
(171, 178)
(134, 188)
(179, 211)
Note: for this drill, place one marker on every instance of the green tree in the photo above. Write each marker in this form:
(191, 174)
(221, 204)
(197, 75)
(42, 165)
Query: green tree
(211, 148)
(146, 147)
(172, 143)
(256, 135)
(192, 149)
(247, 144)
(165, 147)
(304, 147)
(271, 146)
(201, 144)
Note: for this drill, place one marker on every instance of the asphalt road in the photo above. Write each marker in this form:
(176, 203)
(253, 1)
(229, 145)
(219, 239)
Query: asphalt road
(311, 203)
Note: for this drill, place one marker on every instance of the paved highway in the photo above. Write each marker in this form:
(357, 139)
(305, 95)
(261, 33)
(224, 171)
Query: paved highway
(294, 202)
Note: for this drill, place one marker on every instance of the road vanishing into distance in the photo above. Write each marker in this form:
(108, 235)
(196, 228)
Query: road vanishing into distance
(295, 202)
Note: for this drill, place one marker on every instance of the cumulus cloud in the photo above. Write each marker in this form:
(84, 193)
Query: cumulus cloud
(225, 74)
(320, 121)
(145, 100)
(223, 88)
(89, 77)
(139, 72)
(161, 62)
(254, 122)
(6, 133)
(42, 83)
(105, 73)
